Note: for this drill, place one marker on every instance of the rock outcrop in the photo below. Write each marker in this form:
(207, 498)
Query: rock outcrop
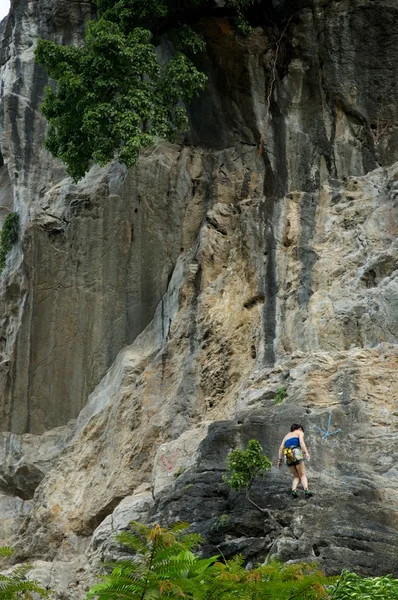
(149, 317)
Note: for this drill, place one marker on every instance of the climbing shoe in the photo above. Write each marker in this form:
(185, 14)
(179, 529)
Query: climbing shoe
(294, 494)
(307, 493)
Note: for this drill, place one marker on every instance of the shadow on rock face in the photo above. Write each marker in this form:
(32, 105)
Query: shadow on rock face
(24, 481)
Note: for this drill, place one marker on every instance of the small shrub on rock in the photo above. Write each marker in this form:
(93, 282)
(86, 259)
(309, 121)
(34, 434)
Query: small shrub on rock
(280, 395)
(353, 587)
(243, 466)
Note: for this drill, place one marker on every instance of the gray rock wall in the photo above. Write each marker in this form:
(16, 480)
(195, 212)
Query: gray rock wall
(153, 314)
(97, 257)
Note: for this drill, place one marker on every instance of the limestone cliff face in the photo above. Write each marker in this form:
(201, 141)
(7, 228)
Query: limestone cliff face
(149, 317)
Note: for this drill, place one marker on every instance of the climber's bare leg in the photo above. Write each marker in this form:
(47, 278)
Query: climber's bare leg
(302, 475)
(296, 477)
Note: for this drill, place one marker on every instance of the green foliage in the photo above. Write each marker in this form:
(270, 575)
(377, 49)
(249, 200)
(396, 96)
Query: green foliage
(273, 581)
(179, 472)
(164, 565)
(353, 587)
(8, 236)
(131, 12)
(115, 95)
(240, 6)
(280, 395)
(6, 551)
(185, 39)
(15, 585)
(186, 488)
(244, 465)
(221, 522)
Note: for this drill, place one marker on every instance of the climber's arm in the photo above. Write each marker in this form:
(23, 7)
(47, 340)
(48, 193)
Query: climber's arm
(281, 452)
(302, 444)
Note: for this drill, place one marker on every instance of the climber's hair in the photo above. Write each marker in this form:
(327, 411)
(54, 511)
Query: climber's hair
(296, 426)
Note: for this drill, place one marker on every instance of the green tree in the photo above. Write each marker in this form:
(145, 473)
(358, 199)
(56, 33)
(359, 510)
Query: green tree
(15, 585)
(118, 93)
(243, 466)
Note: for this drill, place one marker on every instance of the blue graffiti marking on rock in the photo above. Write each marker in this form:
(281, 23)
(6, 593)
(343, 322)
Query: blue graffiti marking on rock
(327, 433)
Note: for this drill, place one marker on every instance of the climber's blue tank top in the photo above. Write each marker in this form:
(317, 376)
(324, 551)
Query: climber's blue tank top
(292, 443)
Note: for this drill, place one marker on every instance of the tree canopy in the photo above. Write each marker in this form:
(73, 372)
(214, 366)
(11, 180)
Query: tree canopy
(130, 83)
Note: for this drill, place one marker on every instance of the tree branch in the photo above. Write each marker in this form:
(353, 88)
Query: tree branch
(263, 510)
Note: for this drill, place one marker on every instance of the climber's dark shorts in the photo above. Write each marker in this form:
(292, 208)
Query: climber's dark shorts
(297, 462)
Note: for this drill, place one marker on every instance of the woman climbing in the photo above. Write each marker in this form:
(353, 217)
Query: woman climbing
(292, 448)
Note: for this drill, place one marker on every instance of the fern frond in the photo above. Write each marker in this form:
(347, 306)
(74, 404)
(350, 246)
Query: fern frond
(178, 527)
(116, 589)
(191, 540)
(20, 589)
(163, 555)
(14, 585)
(133, 542)
(6, 551)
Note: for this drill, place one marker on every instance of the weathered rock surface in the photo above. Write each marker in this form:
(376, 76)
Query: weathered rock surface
(97, 257)
(163, 308)
(104, 547)
(349, 472)
(24, 460)
(353, 514)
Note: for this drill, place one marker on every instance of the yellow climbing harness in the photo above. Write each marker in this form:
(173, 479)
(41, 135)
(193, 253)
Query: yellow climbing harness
(292, 455)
